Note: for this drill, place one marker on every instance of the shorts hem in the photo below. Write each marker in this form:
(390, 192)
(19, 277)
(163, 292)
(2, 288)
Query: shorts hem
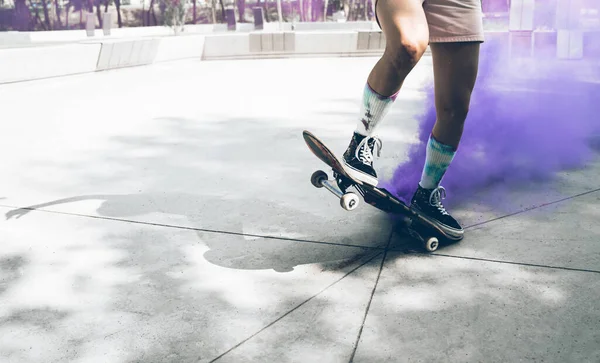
(457, 39)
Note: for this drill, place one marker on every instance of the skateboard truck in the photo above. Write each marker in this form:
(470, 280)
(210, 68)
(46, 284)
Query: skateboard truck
(348, 200)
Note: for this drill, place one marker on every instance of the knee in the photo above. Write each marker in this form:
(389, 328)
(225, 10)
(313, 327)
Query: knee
(454, 110)
(405, 53)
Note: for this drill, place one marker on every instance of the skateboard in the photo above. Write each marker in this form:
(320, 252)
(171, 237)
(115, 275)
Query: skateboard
(416, 225)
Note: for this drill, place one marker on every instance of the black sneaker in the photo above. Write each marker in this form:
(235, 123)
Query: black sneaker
(358, 158)
(428, 202)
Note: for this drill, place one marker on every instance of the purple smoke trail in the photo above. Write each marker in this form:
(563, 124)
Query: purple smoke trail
(529, 119)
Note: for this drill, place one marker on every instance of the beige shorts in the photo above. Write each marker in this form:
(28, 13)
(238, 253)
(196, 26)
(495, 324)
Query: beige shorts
(453, 20)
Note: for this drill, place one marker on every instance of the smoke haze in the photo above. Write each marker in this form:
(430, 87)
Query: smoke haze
(528, 120)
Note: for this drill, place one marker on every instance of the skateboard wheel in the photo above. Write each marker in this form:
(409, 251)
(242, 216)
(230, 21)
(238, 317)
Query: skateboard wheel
(349, 201)
(432, 244)
(318, 177)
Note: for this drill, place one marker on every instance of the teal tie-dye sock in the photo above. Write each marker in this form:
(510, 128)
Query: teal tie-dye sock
(438, 158)
(373, 109)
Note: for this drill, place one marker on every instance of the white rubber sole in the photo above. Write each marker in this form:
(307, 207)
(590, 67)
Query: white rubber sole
(452, 233)
(357, 174)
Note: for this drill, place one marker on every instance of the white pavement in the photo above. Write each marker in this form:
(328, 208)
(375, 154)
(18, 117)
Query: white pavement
(172, 219)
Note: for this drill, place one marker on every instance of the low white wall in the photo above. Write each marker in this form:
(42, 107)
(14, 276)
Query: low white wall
(21, 64)
(570, 44)
(325, 42)
(226, 45)
(353, 25)
(14, 38)
(181, 47)
(289, 43)
(127, 53)
(17, 64)
(99, 55)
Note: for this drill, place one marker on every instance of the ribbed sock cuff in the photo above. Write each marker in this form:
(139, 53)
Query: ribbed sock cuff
(373, 109)
(381, 97)
(438, 158)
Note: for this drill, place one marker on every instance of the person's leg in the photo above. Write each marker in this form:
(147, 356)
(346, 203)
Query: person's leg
(405, 28)
(455, 66)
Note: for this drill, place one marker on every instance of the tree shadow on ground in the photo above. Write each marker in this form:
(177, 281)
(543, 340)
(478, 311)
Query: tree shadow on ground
(252, 189)
(249, 184)
(241, 238)
(11, 267)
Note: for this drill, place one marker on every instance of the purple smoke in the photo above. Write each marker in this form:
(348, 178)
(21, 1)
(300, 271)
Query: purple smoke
(528, 120)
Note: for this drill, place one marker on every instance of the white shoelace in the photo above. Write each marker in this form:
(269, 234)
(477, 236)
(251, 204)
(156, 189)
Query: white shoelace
(364, 152)
(435, 199)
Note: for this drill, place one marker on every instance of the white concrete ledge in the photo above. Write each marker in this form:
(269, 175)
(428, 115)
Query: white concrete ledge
(569, 44)
(127, 53)
(14, 38)
(17, 64)
(118, 53)
(370, 40)
(271, 42)
(23, 64)
(326, 42)
(293, 44)
(226, 45)
(180, 47)
(333, 26)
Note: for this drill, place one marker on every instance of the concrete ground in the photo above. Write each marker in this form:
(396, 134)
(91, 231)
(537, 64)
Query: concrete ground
(171, 219)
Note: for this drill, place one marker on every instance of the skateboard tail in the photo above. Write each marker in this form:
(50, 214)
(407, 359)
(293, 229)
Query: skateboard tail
(321, 151)
(317, 149)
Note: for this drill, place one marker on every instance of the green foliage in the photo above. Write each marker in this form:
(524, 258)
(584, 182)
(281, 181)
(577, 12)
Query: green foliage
(174, 13)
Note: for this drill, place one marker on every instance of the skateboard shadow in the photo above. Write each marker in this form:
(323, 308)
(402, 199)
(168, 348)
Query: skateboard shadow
(270, 237)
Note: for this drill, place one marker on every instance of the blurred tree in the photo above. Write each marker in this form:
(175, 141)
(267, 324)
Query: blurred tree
(22, 16)
(57, 11)
(119, 19)
(241, 4)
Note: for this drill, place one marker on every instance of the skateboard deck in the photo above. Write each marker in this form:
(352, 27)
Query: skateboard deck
(417, 226)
